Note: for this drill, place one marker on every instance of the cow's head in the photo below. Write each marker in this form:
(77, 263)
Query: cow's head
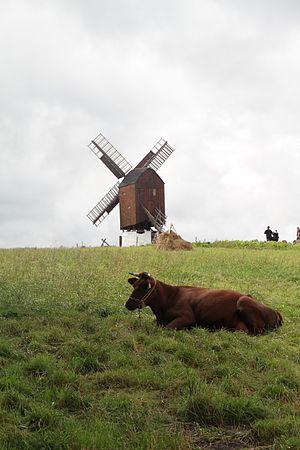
(142, 284)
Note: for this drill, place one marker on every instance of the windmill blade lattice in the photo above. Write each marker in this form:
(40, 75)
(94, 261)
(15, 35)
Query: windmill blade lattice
(110, 156)
(105, 206)
(162, 152)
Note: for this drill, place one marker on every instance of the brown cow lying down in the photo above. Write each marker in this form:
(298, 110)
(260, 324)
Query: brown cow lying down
(181, 307)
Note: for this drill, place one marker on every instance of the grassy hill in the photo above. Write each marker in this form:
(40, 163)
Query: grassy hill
(78, 371)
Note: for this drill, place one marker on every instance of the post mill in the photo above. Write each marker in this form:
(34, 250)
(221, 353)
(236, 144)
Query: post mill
(139, 191)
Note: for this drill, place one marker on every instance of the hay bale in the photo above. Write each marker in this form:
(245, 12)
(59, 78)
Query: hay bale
(169, 240)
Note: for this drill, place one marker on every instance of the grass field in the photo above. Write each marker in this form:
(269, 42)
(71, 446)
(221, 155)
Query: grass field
(78, 371)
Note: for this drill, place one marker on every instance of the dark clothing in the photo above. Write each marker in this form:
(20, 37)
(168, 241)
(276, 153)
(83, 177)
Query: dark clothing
(268, 234)
(275, 236)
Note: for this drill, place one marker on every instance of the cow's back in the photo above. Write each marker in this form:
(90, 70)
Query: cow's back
(213, 308)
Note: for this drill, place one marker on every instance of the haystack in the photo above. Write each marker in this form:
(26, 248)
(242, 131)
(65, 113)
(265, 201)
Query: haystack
(169, 240)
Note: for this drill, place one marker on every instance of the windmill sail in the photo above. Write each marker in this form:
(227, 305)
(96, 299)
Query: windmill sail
(145, 160)
(162, 150)
(105, 206)
(110, 156)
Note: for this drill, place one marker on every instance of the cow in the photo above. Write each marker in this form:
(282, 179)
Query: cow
(179, 307)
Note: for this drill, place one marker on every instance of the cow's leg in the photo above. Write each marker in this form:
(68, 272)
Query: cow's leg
(249, 312)
(241, 326)
(273, 319)
(279, 319)
(258, 317)
(179, 323)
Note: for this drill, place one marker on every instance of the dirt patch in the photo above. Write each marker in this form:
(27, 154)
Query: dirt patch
(203, 444)
(227, 444)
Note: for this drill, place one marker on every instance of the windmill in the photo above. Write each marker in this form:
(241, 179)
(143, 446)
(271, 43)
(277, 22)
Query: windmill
(139, 190)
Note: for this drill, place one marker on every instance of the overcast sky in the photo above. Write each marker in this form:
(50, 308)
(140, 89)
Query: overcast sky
(220, 80)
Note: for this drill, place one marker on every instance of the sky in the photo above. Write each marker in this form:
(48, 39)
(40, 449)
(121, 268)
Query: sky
(219, 80)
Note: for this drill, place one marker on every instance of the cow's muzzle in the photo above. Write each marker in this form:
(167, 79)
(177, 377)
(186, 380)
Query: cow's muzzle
(133, 303)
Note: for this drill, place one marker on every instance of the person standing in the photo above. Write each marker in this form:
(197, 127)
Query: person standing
(268, 232)
(275, 236)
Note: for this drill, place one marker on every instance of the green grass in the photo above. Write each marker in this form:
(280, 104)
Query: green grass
(79, 371)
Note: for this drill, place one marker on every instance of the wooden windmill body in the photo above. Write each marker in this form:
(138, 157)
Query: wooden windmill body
(139, 191)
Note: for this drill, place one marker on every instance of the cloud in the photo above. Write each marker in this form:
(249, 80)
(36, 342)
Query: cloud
(219, 82)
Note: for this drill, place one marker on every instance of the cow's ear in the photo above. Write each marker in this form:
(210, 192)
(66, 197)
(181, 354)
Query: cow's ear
(132, 280)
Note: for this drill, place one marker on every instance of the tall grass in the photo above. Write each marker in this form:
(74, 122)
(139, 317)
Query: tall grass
(78, 371)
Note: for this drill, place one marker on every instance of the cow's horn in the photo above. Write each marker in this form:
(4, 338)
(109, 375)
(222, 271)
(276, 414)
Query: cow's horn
(140, 275)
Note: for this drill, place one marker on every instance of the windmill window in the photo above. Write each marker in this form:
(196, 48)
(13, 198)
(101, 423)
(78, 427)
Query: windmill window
(154, 192)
